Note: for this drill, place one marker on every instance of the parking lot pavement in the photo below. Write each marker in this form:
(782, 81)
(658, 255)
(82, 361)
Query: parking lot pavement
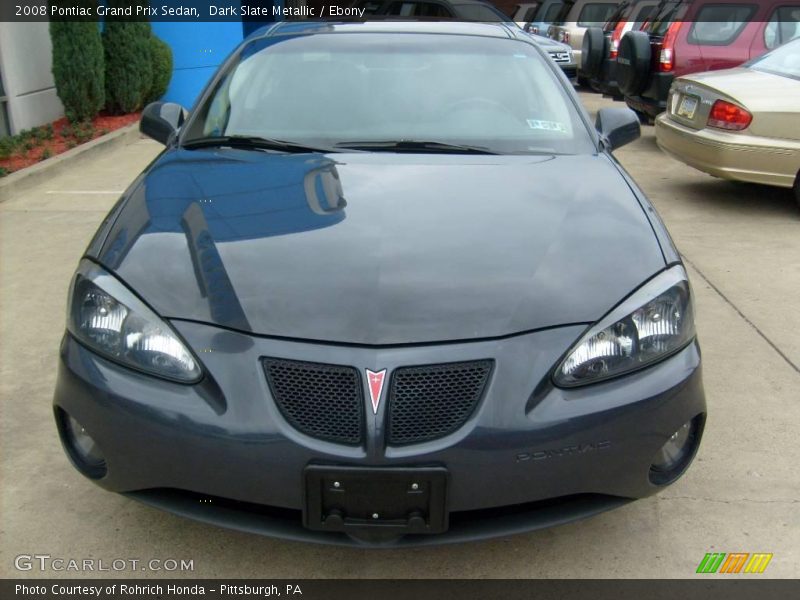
(742, 245)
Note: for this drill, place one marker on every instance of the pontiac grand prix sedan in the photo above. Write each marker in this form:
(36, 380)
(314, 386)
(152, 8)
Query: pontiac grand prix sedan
(385, 285)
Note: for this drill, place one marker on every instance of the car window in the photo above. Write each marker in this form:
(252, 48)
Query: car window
(563, 12)
(663, 15)
(720, 24)
(640, 16)
(320, 90)
(622, 11)
(528, 15)
(551, 13)
(783, 61)
(784, 25)
(595, 14)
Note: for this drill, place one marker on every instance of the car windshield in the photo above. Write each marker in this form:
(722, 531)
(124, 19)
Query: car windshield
(783, 61)
(333, 90)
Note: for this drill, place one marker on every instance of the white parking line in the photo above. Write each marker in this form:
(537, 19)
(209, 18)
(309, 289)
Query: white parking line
(84, 191)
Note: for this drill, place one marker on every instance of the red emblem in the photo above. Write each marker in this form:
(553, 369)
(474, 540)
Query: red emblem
(375, 381)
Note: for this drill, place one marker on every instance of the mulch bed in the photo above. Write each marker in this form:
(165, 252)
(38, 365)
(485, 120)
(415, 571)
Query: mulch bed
(64, 138)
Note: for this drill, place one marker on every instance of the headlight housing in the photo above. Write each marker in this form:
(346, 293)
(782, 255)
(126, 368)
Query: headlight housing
(108, 318)
(654, 322)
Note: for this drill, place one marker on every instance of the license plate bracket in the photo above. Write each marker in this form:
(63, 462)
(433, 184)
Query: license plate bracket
(688, 106)
(393, 500)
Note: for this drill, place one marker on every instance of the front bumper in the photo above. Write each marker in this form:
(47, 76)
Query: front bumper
(730, 155)
(531, 456)
(569, 69)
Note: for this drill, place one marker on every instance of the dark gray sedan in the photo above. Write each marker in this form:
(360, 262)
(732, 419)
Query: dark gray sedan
(385, 285)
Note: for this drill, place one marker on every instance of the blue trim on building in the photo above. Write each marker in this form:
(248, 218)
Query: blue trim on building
(199, 48)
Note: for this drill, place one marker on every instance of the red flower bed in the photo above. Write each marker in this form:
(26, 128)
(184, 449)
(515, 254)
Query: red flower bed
(64, 137)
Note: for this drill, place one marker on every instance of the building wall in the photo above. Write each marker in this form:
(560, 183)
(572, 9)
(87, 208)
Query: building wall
(197, 50)
(26, 65)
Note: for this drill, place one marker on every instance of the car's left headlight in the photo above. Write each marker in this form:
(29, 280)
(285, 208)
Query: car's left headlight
(111, 320)
(654, 322)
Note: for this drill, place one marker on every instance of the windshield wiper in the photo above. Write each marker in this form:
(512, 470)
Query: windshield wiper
(414, 146)
(252, 142)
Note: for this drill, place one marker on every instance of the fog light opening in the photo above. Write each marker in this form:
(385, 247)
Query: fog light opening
(674, 457)
(81, 447)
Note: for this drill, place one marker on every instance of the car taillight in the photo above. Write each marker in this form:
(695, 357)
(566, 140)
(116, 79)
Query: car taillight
(666, 60)
(535, 30)
(563, 37)
(725, 115)
(616, 36)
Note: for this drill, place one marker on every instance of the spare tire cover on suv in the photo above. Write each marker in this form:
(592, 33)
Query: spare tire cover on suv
(633, 63)
(592, 52)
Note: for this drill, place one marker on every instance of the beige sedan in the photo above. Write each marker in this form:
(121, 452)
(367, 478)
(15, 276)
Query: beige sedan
(741, 124)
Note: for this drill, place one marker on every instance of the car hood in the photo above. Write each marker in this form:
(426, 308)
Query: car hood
(376, 248)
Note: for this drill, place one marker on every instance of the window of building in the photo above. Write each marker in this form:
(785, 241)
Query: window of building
(5, 125)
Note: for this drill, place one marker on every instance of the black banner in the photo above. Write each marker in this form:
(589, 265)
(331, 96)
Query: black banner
(277, 10)
(389, 589)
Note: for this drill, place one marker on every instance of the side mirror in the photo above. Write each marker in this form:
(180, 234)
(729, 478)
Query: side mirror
(161, 120)
(617, 126)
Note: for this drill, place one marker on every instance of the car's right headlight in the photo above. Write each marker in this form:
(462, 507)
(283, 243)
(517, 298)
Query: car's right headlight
(111, 320)
(653, 323)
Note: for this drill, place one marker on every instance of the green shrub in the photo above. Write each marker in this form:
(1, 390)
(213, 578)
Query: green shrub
(83, 132)
(129, 70)
(3, 172)
(7, 146)
(49, 132)
(161, 57)
(78, 64)
(46, 153)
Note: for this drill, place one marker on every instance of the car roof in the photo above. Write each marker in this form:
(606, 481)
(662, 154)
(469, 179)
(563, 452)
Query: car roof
(451, 27)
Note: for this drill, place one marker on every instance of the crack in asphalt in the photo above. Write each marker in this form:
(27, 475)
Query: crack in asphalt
(743, 316)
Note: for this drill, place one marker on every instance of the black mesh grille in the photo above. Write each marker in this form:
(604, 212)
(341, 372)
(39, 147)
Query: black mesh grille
(323, 401)
(433, 401)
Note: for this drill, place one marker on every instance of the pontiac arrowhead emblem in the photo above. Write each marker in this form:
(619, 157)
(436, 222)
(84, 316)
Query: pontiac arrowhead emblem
(375, 381)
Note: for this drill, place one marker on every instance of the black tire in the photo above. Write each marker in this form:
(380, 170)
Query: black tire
(592, 52)
(797, 189)
(583, 81)
(633, 63)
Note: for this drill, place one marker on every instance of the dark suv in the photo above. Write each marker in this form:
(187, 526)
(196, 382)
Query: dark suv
(687, 36)
(601, 45)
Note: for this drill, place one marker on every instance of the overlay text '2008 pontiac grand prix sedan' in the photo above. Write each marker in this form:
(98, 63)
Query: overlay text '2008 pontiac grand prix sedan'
(385, 281)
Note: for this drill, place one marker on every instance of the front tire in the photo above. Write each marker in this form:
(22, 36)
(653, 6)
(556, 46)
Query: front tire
(797, 189)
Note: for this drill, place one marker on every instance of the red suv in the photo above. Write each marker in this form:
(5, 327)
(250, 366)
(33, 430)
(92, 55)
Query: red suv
(687, 36)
